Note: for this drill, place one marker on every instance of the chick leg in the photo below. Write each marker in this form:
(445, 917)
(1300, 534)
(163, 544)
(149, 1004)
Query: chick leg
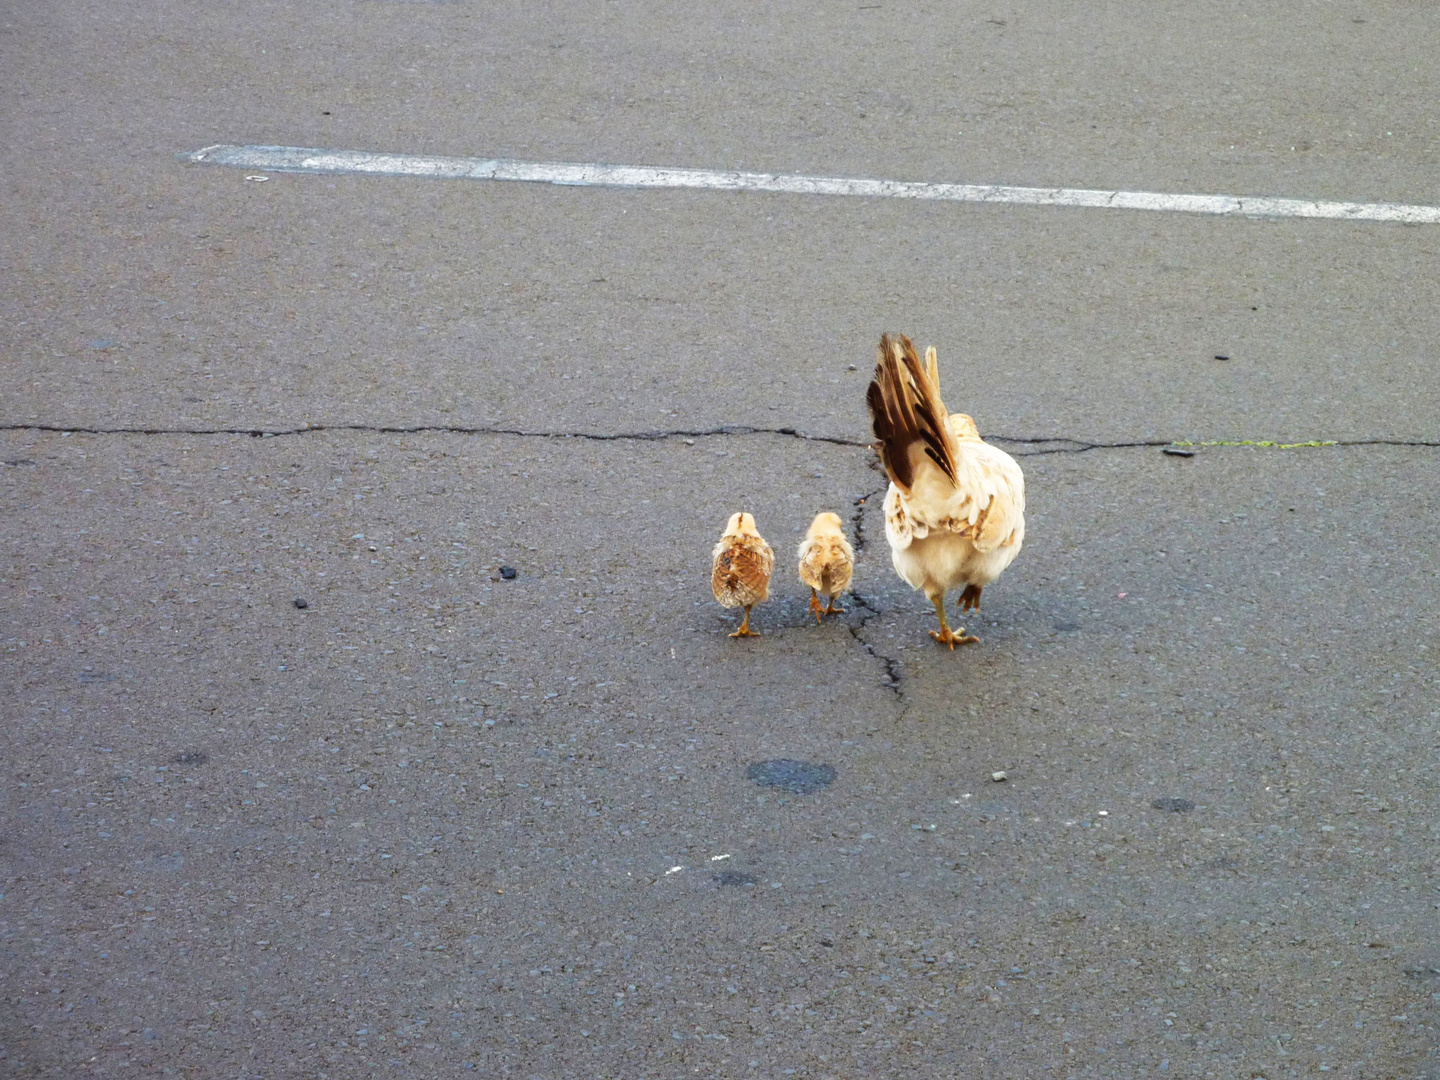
(832, 609)
(970, 598)
(815, 604)
(946, 636)
(745, 630)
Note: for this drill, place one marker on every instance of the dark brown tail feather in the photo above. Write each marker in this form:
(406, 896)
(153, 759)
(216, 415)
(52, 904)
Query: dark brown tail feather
(905, 407)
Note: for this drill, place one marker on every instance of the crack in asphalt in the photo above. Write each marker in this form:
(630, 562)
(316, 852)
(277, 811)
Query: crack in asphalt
(1080, 446)
(446, 429)
(1040, 445)
(893, 668)
(857, 530)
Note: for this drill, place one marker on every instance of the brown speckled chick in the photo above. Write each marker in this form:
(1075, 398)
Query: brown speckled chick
(740, 576)
(826, 562)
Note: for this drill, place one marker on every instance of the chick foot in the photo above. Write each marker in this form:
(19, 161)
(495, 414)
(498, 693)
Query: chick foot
(832, 609)
(745, 630)
(815, 605)
(970, 598)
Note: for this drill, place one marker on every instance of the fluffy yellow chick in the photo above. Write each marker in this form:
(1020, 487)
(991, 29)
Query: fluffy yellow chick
(740, 575)
(826, 562)
(955, 509)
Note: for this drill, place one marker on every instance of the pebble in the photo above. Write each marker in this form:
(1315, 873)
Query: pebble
(999, 777)
(301, 603)
(508, 573)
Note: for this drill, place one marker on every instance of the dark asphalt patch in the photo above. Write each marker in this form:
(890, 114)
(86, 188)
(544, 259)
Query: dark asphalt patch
(731, 877)
(1174, 806)
(796, 777)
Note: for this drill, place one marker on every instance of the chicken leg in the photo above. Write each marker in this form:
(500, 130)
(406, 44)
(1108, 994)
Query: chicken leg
(970, 598)
(946, 636)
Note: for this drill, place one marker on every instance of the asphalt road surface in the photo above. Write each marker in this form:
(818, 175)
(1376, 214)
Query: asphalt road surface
(297, 784)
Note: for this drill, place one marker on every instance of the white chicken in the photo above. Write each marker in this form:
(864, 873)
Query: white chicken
(955, 509)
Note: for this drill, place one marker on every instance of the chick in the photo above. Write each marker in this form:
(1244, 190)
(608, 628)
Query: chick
(955, 509)
(826, 562)
(740, 575)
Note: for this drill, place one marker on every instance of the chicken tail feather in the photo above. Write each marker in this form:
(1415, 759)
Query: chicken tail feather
(905, 408)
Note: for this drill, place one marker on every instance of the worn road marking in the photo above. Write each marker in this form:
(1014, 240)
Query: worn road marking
(303, 160)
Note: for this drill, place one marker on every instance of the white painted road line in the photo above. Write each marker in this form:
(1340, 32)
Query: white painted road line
(299, 159)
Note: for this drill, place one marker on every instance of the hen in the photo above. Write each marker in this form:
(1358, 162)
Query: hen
(826, 562)
(740, 573)
(955, 509)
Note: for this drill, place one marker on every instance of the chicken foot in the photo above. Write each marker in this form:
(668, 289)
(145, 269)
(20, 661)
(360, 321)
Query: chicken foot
(970, 598)
(946, 636)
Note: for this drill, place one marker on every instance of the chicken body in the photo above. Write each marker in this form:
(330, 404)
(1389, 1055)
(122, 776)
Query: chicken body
(826, 562)
(740, 570)
(955, 508)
